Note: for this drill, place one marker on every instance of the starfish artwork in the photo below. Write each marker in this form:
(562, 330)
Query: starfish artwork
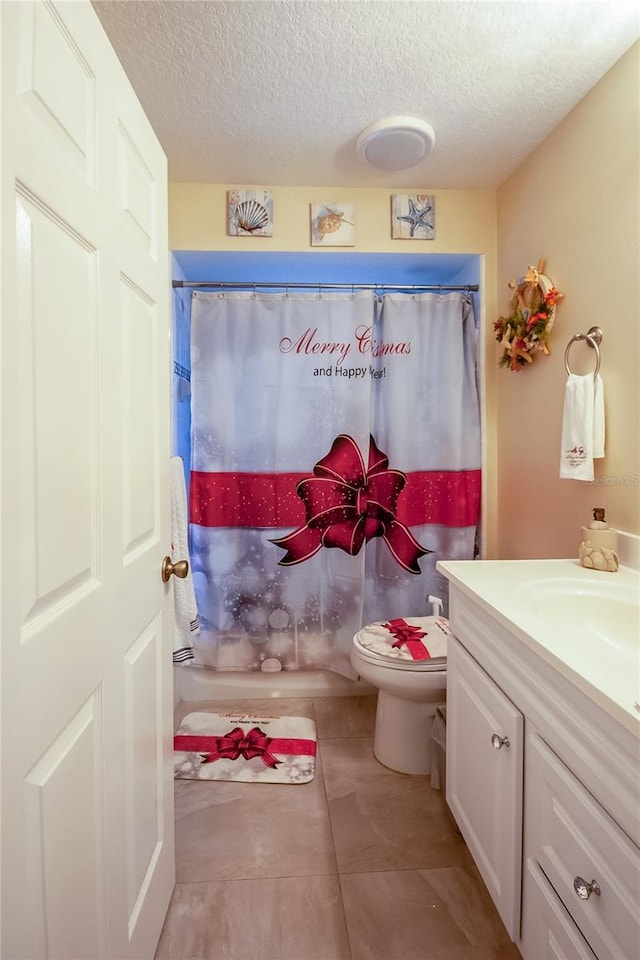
(413, 217)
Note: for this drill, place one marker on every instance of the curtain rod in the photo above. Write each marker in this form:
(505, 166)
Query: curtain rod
(244, 285)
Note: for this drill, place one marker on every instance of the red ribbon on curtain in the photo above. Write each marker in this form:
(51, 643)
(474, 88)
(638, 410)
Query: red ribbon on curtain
(343, 504)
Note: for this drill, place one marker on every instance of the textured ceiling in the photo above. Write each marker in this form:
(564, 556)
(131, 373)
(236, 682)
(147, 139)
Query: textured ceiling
(275, 92)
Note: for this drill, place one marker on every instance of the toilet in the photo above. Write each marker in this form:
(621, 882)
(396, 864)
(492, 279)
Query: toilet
(406, 659)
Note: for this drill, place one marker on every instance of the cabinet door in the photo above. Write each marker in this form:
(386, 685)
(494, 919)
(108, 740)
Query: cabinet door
(484, 778)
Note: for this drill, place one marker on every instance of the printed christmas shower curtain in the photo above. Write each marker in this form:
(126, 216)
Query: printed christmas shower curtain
(335, 458)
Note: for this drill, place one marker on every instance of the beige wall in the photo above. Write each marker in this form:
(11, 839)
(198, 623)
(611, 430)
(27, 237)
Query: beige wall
(465, 220)
(465, 223)
(575, 201)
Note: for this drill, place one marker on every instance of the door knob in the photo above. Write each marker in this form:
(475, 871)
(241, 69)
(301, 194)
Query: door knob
(498, 742)
(179, 569)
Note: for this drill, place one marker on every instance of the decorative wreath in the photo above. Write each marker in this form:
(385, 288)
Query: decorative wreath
(533, 313)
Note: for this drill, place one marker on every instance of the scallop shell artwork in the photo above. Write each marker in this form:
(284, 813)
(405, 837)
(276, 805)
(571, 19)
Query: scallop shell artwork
(249, 213)
(333, 225)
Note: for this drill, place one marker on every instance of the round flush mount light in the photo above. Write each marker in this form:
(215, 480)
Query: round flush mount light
(396, 143)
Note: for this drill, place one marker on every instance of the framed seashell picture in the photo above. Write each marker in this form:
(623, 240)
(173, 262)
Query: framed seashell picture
(249, 213)
(333, 224)
(413, 216)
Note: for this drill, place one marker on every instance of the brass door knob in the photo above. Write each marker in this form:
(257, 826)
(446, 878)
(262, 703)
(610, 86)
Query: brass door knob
(179, 569)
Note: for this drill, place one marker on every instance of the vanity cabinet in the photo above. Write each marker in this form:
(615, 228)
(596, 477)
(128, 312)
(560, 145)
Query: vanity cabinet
(553, 818)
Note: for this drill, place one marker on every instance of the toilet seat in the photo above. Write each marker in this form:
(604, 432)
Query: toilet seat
(418, 644)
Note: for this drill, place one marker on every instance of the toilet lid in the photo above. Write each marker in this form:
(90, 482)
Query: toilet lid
(422, 640)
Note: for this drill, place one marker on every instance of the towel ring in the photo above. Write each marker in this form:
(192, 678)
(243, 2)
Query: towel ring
(593, 339)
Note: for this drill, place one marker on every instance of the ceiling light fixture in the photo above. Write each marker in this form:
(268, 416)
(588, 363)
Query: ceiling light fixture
(396, 143)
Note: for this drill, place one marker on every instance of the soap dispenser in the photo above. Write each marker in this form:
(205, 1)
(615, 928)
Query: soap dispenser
(598, 550)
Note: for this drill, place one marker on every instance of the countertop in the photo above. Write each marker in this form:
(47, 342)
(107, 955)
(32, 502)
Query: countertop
(592, 658)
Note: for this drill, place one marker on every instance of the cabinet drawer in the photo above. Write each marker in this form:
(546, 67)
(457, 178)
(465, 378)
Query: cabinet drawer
(547, 929)
(572, 836)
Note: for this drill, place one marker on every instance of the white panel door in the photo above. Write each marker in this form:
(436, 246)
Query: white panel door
(484, 778)
(87, 800)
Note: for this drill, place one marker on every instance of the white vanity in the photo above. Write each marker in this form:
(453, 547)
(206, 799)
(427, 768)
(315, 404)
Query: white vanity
(543, 749)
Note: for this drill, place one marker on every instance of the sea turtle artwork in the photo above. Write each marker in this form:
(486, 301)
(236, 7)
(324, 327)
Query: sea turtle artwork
(332, 225)
(413, 216)
(330, 222)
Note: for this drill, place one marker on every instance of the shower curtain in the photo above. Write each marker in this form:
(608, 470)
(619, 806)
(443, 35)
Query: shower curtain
(335, 458)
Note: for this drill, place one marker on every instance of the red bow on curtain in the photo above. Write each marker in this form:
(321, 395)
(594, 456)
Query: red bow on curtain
(348, 504)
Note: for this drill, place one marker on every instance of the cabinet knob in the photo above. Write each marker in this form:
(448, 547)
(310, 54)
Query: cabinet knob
(584, 889)
(498, 742)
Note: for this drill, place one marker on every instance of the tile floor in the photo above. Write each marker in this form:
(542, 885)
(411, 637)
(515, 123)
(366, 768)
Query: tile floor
(360, 864)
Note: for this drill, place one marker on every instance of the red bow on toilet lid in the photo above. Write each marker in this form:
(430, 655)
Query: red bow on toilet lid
(410, 638)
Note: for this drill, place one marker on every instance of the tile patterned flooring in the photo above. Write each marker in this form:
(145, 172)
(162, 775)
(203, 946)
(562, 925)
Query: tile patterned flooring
(360, 864)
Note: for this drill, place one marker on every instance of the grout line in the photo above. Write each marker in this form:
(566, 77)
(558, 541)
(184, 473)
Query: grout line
(292, 876)
(333, 842)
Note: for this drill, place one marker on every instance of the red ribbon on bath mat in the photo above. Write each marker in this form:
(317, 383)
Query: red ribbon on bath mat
(238, 744)
(409, 635)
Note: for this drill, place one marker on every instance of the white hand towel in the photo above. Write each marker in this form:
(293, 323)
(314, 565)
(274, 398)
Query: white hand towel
(187, 623)
(598, 420)
(577, 448)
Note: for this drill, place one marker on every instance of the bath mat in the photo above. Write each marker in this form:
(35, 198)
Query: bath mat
(248, 747)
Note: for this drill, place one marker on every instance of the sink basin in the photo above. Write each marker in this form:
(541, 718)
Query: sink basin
(605, 617)
(584, 623)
